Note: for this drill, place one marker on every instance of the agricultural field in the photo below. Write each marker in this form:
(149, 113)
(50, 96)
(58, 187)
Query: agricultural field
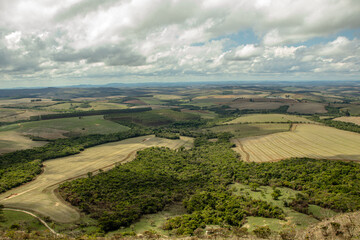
(40, 196)
(78, 106)
(257, 105)
(353, 109)
(155, 118)
(11, 114)
(307, 108)
(65, 127)
(267, 118)
(305, 140)
(355, 120)
(249, 130)
(202, 113)
(167, 97)
(11, 141)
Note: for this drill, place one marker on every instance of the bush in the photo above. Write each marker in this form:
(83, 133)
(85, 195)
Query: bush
(262, 232)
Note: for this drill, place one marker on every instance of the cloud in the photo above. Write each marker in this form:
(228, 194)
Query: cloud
(110, 55)
(244, 52)
(183, 38)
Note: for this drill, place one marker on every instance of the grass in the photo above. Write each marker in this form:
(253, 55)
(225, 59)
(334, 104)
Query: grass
(248, 130)
(355, 120)
(267, 118)
(22, 220)
(40, 195)
(321, 213)
(307, 140)
(154, 222)
(293, 219)
(56, 128)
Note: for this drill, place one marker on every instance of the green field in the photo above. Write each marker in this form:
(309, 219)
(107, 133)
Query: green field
(248, 130)
(56, 128)
(153, 118)
(269, 118)
(21, 221)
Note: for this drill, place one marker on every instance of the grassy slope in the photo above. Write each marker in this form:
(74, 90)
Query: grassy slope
(23, 220)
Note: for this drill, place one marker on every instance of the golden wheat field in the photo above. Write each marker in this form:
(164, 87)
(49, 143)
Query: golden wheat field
(39, 196)
(305, 140)
(355, 120)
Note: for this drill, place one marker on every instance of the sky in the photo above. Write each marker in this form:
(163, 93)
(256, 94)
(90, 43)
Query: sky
(69, 42)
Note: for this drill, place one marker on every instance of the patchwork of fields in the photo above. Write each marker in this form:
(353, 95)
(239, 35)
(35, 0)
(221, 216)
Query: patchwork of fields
(39, 196)
(306, 140)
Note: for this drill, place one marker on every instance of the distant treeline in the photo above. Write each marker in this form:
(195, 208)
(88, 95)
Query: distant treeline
(22, 166)
(88, 113)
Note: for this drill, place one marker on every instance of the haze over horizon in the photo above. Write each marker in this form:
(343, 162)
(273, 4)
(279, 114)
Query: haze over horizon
(48, 43)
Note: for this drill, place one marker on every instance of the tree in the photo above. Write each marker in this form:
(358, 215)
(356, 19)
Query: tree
(1, 213)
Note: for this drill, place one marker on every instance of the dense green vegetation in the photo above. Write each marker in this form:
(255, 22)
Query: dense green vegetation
(330, 184)
(220, 208)
(22, 166)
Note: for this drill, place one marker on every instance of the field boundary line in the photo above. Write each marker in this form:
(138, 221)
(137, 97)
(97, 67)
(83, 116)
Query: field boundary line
(35, 216)
(247, 155)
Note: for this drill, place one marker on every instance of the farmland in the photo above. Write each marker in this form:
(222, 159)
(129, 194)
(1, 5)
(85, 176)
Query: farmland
(249, 130)
(307, 108)
(355, 120)
(60, 128)
(11, 141)
(269, 118)
(40, 196)
(304, 141)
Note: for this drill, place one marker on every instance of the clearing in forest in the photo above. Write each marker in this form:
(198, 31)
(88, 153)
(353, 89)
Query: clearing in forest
(305, 140)
(40, 196)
